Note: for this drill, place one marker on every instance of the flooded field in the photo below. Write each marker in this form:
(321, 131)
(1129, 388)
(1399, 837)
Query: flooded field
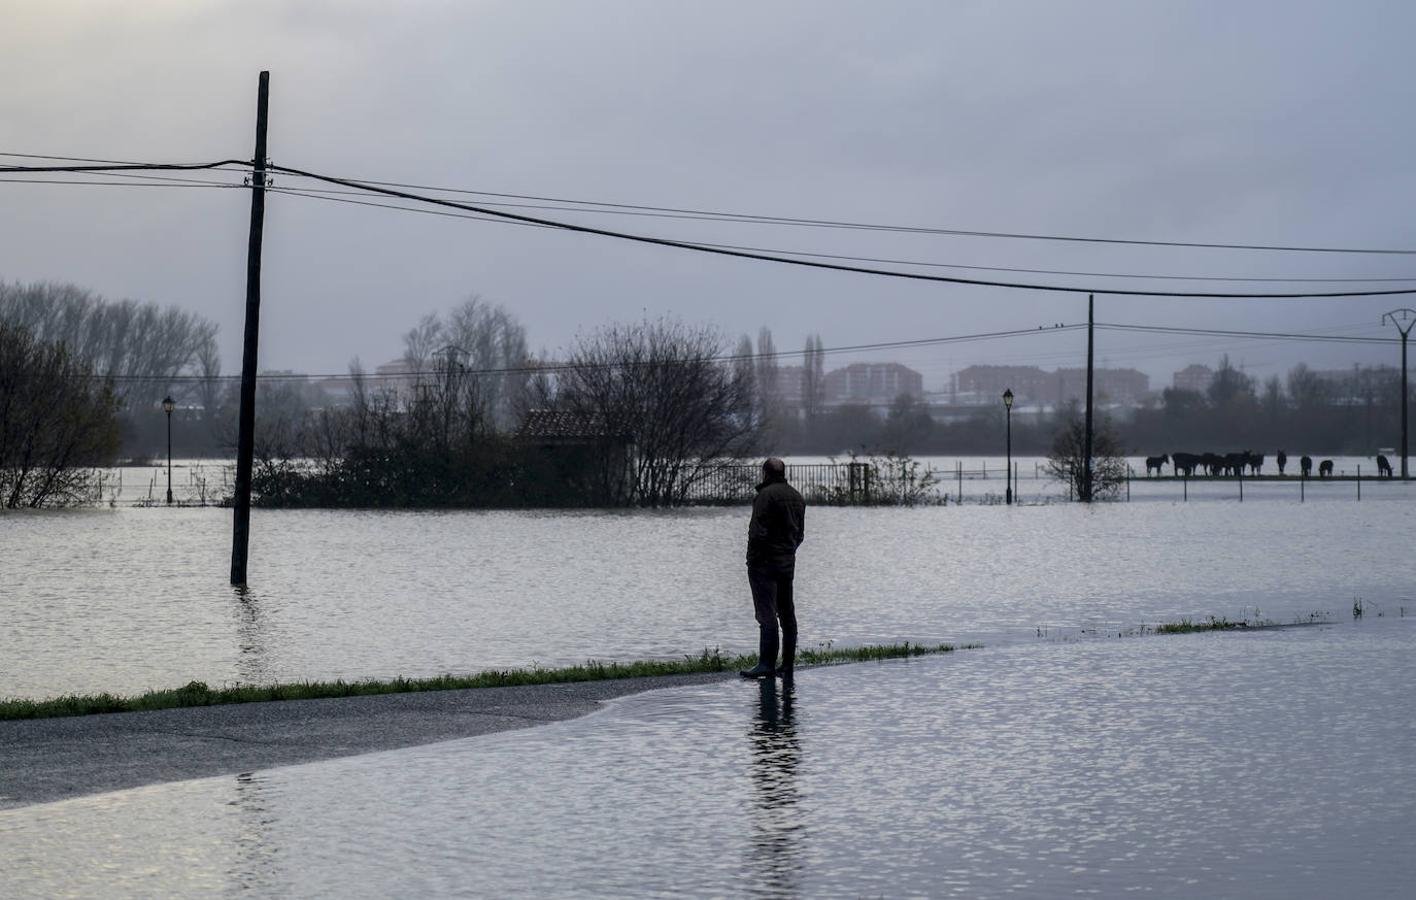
(1274, 764)
(129, 599)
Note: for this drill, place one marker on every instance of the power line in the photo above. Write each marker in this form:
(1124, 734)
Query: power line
(867, 226)
(341, 196)
(550, 367)
(816, 264)
(780, 259)
(130, 184)
(1277, 335)
(332, 195)
(146, 167)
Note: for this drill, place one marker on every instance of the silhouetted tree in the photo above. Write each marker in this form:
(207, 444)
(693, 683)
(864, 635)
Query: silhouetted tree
(660, 385)
(57, 422)
(480, 339)
(1067, 461)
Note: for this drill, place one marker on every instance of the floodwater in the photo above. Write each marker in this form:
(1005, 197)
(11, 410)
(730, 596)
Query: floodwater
(1257, 765)
(129, 599)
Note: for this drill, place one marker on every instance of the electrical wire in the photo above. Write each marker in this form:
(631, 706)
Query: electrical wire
(782, 259)
(817, 264)
(340, 196)
(866, 226)
(551, 367)
(1277, 335)
(146, 167)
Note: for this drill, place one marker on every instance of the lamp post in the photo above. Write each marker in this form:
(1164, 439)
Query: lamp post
(1403, 319)
(1008, 405)
(167, 406)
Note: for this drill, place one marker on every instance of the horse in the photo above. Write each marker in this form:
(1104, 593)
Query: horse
(1282, 459)
(1383, 466)
(1234, 463)
(1155, 462)
(1325, 468)
(1306, 464)
(1212, 462)
(1255, 461)
(1185, 463)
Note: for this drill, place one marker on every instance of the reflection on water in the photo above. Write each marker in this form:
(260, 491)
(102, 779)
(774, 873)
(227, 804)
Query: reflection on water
(256, 864)
(253, 664)
(134, 599)
(777, 830)
(1269, 765)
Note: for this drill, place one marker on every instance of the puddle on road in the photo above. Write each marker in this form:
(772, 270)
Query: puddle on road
(1273, 764)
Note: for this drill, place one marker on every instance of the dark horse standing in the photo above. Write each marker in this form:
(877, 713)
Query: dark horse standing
(1383, 466)
(1255, 462)
(1325, 468)
(1185, 463)
(1155, 462)
(1282, 460)
(1305, 463)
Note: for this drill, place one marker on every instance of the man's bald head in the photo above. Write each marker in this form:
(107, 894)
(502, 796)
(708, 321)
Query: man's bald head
(774, 468)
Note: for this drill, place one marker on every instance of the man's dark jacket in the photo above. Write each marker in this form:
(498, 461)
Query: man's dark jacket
(777, 527)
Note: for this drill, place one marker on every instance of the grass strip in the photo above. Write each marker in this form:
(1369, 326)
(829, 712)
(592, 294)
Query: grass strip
(1189, 626)
(197, 693)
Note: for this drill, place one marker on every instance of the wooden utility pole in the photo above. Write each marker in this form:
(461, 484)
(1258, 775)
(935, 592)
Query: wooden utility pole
(1086, 492)
(245, 440)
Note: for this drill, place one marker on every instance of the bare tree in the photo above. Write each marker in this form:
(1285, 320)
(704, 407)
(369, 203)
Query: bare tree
(660, 386)
(143, 346)
(1067, 462)
(57, 422)
(479, 339)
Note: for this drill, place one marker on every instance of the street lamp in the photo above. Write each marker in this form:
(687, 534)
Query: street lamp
(1403, 319)
(1008, 405)
(167, 406)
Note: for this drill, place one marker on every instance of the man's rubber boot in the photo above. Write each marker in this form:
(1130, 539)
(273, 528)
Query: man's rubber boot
(788, 657)
(766, 655)
(761, 670)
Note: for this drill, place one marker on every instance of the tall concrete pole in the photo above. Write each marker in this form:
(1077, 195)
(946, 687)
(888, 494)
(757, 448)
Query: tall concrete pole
(1086, 491)
(1403, 319)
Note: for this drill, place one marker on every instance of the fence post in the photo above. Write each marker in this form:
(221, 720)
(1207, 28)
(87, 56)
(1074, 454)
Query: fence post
(1015, 482)
(1302, 489)
(1359, 482)
(1241, 485)
(1186, 482)
(959, 470)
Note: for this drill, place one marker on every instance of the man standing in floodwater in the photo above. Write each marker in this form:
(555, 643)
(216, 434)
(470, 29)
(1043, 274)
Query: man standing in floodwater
(773, 535)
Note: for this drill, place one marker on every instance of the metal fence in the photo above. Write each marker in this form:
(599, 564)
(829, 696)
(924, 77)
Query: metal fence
(843, 483)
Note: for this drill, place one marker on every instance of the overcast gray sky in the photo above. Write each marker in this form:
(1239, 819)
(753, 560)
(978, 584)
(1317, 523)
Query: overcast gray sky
(1272, 122)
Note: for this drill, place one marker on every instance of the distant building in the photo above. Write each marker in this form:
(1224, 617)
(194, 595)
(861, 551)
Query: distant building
(791, 385)
(1194, 377)
(1031, 386)
(979, 385)
(1124, 387)
(871, 383)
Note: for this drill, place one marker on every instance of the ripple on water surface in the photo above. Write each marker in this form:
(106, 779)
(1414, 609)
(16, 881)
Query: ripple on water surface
(1271, 764)
(129, 600)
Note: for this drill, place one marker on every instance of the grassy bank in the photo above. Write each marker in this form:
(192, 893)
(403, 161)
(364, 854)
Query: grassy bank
(198, 693)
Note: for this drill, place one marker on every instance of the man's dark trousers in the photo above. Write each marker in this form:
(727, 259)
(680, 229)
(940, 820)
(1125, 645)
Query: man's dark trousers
(772, 602)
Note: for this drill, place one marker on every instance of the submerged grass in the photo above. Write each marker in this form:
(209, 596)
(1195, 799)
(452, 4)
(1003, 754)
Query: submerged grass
(197, 693)
(1187, 626)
